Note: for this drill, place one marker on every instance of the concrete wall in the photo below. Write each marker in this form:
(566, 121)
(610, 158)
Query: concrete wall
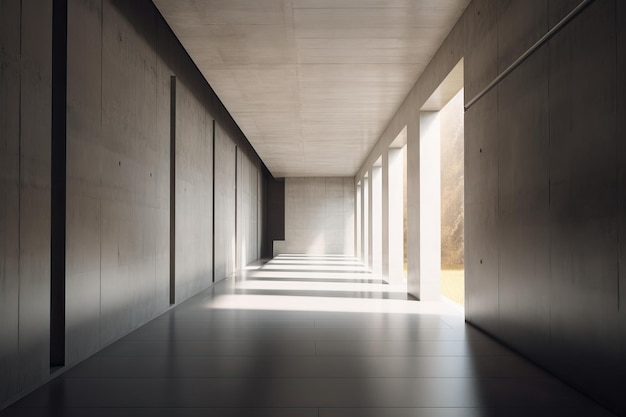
(225, 204)
(194, 194)
(25, 184)
(248, 243)
(319, 215)
(121, 57)
(544, 184)
(118, 176)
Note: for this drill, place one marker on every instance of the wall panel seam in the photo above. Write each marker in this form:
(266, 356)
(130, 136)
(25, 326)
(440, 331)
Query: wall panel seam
(19, 191)
(617, 153)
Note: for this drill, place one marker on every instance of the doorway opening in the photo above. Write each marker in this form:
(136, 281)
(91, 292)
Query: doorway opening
(442, 272)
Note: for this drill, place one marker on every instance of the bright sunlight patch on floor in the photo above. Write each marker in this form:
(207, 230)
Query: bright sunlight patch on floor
(318, 286)
(318, 276)
(325, 304)
(318, 261)
(309, 284)
(308, 267)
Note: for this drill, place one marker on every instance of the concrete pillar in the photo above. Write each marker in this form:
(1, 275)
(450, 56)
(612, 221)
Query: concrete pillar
(370, 223)
(430, 206)
(358, 223)
(413, 207)
(395, 217)
(377, 248)
(385, 217)
(364, 221)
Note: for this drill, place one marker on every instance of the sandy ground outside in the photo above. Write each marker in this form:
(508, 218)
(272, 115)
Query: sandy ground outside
(453, 285)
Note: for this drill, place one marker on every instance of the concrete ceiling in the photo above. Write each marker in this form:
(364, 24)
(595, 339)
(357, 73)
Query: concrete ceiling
(312, 83)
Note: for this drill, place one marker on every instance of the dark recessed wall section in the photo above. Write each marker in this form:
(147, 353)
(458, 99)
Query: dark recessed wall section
(173, 189)
(620, 24)
(119, 174)
(275, 214)
(58, 190)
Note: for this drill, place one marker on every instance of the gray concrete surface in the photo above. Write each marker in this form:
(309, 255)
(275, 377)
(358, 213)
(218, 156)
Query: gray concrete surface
(319, 215)
(544, 184)
(25, 183)
(225, 203)
(121, 56)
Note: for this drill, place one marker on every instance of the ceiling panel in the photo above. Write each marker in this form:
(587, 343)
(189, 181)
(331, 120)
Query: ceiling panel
(311, 83)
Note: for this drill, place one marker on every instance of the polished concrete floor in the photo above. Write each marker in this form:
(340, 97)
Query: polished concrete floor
(306, 336)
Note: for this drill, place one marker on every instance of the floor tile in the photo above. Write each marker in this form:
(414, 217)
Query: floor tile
(304, 367)
(413, 348)
(465, 412)
(288, 340)
(304, 392)
(162, 412)
(263, 347)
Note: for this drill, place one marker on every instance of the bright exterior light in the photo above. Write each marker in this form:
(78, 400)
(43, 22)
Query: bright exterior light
(297, 283)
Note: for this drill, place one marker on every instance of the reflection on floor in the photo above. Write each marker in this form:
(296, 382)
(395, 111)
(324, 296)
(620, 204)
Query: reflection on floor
(306, 336)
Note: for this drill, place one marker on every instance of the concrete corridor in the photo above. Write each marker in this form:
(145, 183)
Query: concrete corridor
(310, 336)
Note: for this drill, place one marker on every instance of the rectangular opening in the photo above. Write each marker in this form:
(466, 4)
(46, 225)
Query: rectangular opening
(452, 198)
(173, 190)
(442, 192)
(58, 185)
